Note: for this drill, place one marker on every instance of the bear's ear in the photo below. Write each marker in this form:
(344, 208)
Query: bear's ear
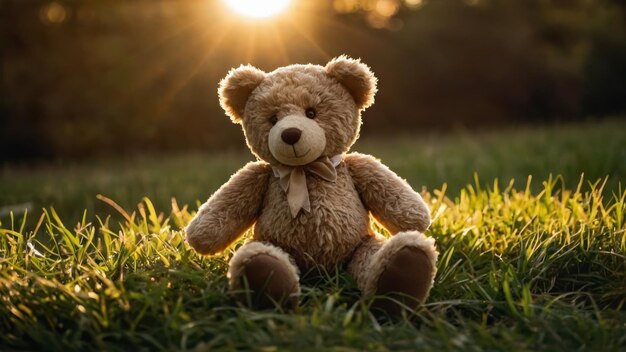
(356, 77)
(234, 89)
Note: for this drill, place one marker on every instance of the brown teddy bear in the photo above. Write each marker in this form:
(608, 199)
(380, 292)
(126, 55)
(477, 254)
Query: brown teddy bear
(306, 199)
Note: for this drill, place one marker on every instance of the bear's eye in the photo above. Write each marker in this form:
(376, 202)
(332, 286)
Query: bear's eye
(310, 113)
(273, 119)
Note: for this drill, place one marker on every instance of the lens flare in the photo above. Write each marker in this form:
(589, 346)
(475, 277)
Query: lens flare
(258, 8)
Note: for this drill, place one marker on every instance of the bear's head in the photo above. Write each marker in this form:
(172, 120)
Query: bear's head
(298, 113)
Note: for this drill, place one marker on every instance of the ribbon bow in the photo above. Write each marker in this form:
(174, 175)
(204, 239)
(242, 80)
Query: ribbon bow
(293, 180)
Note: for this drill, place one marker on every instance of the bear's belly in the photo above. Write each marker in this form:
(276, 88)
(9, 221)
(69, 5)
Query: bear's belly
(327, 235)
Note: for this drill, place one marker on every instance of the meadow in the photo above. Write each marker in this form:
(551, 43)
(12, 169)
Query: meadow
(529, 223)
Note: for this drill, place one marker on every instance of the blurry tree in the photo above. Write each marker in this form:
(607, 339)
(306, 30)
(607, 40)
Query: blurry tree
(84, 77)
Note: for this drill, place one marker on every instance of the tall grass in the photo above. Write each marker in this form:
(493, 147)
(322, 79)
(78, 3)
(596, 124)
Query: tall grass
(536, 267)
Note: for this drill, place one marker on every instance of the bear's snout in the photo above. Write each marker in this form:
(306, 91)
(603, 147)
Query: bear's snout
(296, 140)
(291, 135)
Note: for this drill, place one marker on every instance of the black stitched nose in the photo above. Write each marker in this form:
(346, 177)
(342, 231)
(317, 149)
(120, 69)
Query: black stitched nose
(291, 135)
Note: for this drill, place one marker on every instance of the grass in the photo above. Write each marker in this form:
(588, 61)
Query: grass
(426, 160)
(536, 264)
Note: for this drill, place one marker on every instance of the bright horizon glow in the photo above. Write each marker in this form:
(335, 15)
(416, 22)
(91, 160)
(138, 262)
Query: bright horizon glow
(258, 8)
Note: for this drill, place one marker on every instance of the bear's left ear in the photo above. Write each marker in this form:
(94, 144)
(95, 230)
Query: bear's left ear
(356, 77)
(235, 89)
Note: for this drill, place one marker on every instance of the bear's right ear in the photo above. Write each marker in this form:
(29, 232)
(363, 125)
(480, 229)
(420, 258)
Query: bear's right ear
(234, 89)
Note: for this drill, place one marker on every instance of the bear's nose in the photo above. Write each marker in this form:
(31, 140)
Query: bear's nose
(291, 135)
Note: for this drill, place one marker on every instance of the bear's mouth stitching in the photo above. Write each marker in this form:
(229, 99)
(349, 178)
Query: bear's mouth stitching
(296, 152)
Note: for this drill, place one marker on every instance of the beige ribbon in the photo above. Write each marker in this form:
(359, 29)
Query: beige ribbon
(292, 180)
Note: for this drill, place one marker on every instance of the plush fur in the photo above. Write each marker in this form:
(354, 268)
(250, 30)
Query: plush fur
(337, 230)
(230, 211)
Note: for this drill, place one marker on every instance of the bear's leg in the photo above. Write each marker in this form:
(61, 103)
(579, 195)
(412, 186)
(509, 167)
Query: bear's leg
(263, 275)
(401, 270)
(359, 265)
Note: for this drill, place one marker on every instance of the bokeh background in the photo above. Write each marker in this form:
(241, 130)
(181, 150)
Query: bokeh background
(115, 77)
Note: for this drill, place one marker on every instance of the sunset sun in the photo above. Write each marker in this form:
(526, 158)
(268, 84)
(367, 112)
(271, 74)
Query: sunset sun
(257, 8)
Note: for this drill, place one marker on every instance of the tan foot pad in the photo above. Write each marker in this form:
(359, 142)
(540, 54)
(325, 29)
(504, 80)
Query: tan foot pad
(405, 281)
(268, 281)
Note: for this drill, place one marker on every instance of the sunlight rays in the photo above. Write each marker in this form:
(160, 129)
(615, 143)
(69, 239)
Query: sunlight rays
(212, 41)
(193, 68)
(280, 45)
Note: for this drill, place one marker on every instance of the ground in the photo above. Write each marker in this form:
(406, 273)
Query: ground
(538, 263)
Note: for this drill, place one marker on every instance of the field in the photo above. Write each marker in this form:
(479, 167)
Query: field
(530, 224)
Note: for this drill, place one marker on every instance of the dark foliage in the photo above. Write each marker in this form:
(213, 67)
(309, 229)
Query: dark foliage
(108, 77)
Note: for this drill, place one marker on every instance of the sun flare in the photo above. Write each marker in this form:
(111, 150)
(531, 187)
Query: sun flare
(258, 8)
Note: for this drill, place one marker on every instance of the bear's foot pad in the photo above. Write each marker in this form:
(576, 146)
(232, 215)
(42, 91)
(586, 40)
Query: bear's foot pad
(405, 282)
(267, 282)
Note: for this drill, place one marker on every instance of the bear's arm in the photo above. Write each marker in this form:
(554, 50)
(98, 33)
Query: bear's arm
(230, 211)
(389, 198)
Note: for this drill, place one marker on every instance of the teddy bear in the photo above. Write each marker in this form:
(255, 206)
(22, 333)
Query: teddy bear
(309, 201)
